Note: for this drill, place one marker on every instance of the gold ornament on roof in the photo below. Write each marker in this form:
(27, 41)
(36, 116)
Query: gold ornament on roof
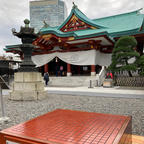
(45, 24)
(74, 5)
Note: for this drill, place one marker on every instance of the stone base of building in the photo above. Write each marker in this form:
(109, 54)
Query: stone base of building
(27, 86)
(93, 73)
(69, 74)
(73, 81)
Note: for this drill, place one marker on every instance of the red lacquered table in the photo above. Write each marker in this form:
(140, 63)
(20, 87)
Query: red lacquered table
(69, 127)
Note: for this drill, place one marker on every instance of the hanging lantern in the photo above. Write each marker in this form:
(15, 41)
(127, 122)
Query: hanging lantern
(59, 40)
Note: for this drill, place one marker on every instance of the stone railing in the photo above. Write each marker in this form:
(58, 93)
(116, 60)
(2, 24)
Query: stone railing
(135, 81)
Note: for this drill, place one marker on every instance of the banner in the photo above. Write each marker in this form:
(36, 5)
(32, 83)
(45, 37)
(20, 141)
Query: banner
(89, 57)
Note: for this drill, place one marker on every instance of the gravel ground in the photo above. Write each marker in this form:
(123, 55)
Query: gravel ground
(21, 111)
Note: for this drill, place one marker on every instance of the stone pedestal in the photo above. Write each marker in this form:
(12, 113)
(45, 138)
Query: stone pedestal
(93, 73)
(108, 83)
(27, 86)
(69, 74)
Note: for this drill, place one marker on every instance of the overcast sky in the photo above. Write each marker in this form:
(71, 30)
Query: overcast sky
(13, 12)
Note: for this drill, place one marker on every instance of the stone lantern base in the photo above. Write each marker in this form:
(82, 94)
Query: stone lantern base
(27, 86)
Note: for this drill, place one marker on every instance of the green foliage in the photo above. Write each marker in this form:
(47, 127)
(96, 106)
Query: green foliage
(124, 56)
(126, 41)
(141, 65)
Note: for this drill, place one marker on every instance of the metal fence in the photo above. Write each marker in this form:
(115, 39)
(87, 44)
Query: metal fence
(135, 81)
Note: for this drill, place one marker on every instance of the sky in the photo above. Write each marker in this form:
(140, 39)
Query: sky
(13, 12)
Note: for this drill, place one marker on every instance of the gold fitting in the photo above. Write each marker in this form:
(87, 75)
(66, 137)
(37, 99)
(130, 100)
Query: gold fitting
(92, 46)
(71, 38)
(59, 40)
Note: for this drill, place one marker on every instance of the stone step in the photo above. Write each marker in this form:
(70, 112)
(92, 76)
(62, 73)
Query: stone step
(73, 81)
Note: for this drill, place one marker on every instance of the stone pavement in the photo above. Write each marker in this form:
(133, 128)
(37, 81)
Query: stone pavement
(98, 91)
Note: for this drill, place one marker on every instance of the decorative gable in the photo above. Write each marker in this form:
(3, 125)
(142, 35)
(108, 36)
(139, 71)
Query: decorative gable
(75, 24)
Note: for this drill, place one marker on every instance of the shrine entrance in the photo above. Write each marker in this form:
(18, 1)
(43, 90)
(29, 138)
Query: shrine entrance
(80, 70)
(57, 67)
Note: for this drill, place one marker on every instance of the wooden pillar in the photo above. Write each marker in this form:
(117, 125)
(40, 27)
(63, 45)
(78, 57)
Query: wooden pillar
(69, 70)
(39, 68)
(78, 68)
(46, 68)
(93, 72)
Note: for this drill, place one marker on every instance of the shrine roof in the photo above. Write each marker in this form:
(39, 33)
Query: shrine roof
(76, 34)
(90, 33)
(75, 11)
(12, 48)
(114, 26)
(131, 21)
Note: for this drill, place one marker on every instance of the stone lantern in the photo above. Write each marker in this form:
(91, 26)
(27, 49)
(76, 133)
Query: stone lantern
(27, 36)
(28, 83)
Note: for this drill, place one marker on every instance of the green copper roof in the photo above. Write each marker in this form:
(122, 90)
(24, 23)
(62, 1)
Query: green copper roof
(123, 22)
(12, 48)
(82, 17)
(89, 32)
(142, 27)
(114, 26)
(130, 32)
(77, 34)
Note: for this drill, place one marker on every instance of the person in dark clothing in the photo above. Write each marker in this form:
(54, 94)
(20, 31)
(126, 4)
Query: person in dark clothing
(61, 70)
(46, 78)
(56, 70)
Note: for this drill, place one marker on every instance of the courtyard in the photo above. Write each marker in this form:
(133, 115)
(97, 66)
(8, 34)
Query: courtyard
(100, 100)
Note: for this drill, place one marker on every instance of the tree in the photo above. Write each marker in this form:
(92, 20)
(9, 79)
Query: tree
(141, 65)
(124, 55)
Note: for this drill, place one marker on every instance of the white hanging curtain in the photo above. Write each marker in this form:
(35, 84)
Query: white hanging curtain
(89, 57)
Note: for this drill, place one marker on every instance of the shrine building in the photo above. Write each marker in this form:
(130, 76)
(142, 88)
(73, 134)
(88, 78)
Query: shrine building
(82, 46)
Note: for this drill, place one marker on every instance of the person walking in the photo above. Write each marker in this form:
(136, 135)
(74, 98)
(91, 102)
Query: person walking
(56, 70)
(61, 70)
(46, 78)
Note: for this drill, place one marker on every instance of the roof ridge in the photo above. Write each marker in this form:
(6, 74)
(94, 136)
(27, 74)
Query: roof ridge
(136, 11)
(78, 13)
